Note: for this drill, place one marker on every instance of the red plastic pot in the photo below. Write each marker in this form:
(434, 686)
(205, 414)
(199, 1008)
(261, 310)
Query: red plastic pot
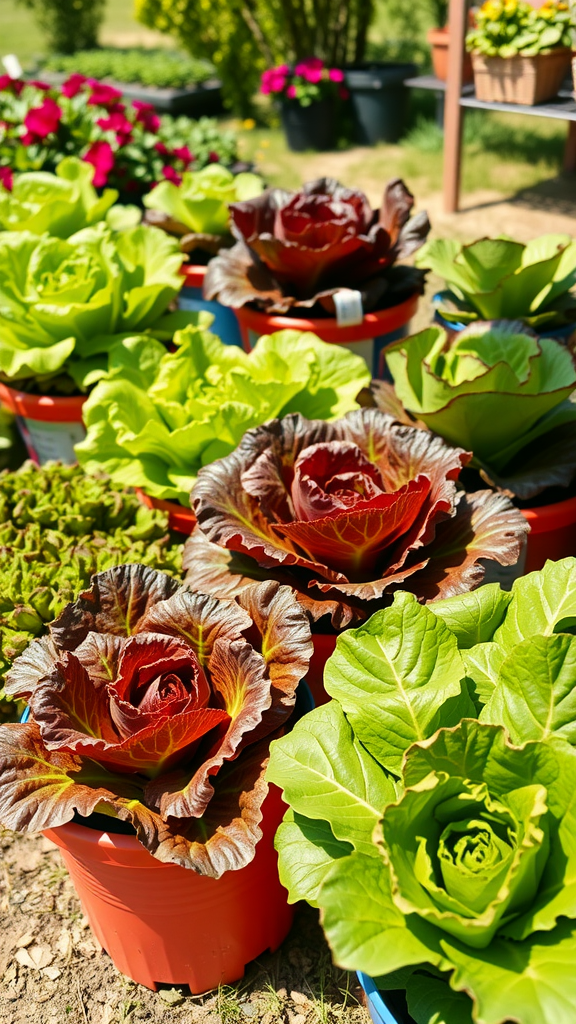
(180, 518)
(191, 297)
(324, 644)
(164, 924)
(368, 339)
(552, 533)
(49, 426)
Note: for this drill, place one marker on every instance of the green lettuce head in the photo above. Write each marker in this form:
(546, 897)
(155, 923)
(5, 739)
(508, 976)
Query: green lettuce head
(61, 300)
(497, 278)
(497, 390)
(59, 204)
(431, 802)
(157, 417)
(197, 209)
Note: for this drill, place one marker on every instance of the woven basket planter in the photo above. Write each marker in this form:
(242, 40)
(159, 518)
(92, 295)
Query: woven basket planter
(527, 81)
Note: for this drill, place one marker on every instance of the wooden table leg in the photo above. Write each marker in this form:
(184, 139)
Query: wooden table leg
(570, 151)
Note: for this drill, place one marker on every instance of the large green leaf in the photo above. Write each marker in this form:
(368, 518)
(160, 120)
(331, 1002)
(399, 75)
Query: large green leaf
(326, 774)
(474, 617)
(366, 931)
(531, 981)
(542, 603)
(535, 696)
(200, 202)
(306, 852)
(483, 664)
(432, 1001)
(398, 678)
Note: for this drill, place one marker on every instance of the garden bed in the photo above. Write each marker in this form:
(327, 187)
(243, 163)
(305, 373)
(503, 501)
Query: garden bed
(201, 99)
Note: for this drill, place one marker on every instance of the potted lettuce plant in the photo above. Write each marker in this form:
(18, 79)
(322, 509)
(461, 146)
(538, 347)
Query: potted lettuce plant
(60, 204)
(58, 527)
(324, 256)
(506, 395)
(346, 513)
(431, 808)
(151, 715)
(157, 417)
(498, 278)
(61, 304)
(520, 51)
(195, 210)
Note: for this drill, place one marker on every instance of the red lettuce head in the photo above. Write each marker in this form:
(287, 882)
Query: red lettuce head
(156, 705)
(346, 513)
(298, 248)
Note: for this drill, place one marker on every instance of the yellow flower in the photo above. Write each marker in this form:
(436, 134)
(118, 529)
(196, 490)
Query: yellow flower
(248, 124)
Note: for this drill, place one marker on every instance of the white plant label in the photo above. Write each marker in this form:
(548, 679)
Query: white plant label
(12, 65)
(349, 311)
(48, 441)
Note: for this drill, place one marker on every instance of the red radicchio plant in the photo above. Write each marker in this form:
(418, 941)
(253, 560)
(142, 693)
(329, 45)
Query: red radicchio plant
(157, 706)
(296, 249)
(346, 513)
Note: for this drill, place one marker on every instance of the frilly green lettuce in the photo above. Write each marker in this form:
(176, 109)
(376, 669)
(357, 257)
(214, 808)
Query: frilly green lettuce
(60, 204)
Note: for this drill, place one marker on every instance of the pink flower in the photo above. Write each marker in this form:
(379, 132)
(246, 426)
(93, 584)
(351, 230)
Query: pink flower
(73, 85)
(102, 95)
(40, 85)
(291, 92)
(11, 84)
(184, 154)
(43, 120)
(117, 122)
(161, 148)
(146, 115)
(310, 64)
(213, 157)
(101, 157)
(336, 75)
(171, 175)
(6, 178)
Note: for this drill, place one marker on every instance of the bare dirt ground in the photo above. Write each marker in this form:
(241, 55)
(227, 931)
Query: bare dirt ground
(53, 973)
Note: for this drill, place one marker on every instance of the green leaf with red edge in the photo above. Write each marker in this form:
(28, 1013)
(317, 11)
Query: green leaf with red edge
(34, 664)
(198, 619)
(116, 602)
(42, 789)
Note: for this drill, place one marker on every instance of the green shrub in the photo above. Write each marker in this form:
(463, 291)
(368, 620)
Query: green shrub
(69, 25)
(159, 68)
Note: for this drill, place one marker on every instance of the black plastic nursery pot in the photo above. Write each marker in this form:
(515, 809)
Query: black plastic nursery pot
(379, 100)
(312, 127)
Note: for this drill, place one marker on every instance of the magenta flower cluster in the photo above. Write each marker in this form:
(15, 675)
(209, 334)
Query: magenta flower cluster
(88, 118)
(294, 83)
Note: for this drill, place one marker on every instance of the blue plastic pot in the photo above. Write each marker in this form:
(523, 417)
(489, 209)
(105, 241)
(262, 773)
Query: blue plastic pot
(560, 333)
(225, 324)
(379, 1012)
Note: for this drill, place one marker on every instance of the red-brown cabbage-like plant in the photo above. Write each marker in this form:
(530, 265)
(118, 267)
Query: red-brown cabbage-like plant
(156, 706)
(346, 513)
(296, 249)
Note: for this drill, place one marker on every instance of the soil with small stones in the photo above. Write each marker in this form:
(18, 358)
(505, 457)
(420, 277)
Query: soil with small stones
(53, 972)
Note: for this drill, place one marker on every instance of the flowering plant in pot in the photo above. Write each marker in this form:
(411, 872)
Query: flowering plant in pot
(301, 253)
(498, 278)
(61, 203)
(346, 513)
(520, 52)
(431, 813)
(58, 527)
(308, 93)
(157, 417)
(155, 707)
(129, 145)
(506, 395)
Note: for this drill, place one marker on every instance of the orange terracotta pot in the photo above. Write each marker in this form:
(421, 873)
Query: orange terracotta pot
(439, 39)
(49, 426)
(552, 533)
(164, 924)
(368, 339)
(180, 518)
